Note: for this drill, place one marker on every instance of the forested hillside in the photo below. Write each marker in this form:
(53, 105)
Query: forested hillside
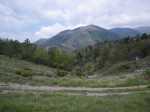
(106, 54)
(27, 51)
(84, 61)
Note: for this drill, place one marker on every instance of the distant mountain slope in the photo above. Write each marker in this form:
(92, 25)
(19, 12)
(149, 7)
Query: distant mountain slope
(79, 37)
(144, 29)
(125, 32)
(88, 35)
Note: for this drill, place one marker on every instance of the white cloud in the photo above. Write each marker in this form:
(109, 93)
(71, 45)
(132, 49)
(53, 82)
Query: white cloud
(48, 31)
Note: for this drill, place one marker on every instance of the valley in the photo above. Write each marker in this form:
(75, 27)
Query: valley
(110, 74)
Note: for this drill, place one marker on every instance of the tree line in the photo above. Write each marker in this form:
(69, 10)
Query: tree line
(54, 57)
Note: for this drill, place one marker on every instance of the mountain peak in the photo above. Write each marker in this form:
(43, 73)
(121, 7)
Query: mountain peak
(80, 37)
(90, 27)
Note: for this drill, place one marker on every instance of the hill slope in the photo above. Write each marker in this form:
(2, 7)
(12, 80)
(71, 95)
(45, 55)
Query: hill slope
(19, 71)
(22, 72)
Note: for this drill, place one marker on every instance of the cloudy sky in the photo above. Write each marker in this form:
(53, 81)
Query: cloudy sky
(34, 19)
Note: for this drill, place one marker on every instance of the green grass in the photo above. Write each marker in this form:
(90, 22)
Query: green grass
(63, 103)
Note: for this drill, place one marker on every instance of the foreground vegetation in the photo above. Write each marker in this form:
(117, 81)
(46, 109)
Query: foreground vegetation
(26, 102)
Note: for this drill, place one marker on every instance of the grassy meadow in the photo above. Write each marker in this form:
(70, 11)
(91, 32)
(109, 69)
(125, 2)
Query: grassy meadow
(59, 102)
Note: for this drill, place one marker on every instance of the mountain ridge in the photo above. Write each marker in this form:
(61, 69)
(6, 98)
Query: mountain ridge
(84, 36)
(125, 32)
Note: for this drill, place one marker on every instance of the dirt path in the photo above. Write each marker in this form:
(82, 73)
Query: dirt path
(74, 90)
(108, 94)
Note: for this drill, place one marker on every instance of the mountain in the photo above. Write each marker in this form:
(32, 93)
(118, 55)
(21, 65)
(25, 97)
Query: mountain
(125, 32)
(144, 29)
(88, 35)
(79, 37)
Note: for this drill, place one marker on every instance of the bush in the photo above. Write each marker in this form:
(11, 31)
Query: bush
(124, 67)
(80, 73)
(26, 72)
(89, 69)
(147, 74)
(61, 73)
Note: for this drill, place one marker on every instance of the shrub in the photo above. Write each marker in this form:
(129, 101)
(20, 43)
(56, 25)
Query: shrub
(124, 67)
(24, 72)
(61, 73)
(147, 74)
(89, 69)
(78, 71)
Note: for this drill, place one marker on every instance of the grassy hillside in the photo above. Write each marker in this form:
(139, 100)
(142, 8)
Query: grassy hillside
(17, 71)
